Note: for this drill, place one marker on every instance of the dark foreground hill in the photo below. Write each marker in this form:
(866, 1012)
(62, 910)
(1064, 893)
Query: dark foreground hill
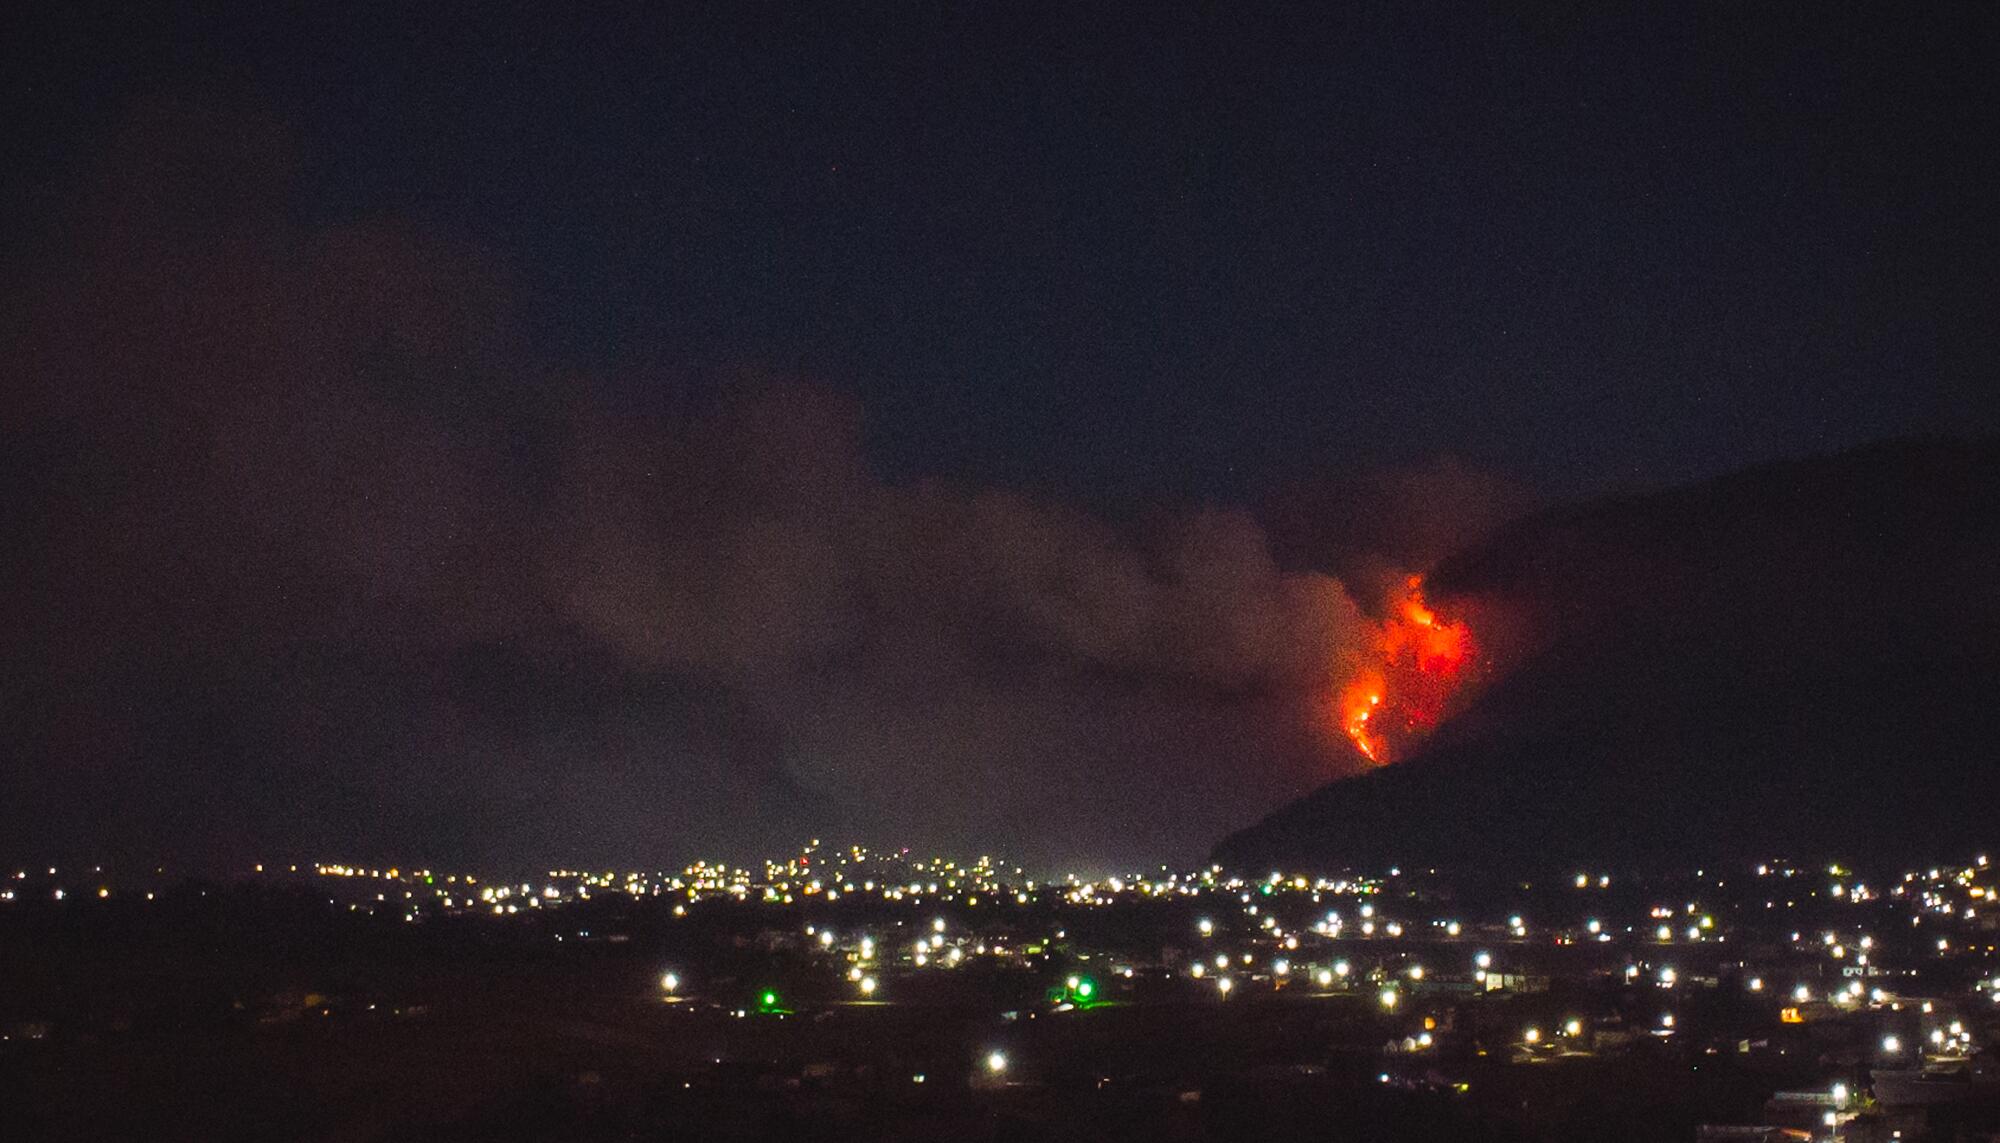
(1800, 659)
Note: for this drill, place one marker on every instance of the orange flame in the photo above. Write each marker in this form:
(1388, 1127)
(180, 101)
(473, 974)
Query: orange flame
(1361, 702)
(1423, 661)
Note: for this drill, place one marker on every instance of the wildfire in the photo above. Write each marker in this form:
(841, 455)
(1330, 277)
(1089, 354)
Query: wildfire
(1422, 664)
(1361, 705)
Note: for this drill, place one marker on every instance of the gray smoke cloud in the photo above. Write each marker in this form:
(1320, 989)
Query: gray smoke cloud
(317, 557)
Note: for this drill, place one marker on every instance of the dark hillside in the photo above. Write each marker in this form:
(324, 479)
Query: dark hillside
(1802, 658)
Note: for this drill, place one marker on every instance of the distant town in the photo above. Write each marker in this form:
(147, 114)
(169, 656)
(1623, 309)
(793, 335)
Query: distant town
(880, 994)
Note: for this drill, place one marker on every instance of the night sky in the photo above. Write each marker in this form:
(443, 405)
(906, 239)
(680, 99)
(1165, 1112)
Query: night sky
(511, 435)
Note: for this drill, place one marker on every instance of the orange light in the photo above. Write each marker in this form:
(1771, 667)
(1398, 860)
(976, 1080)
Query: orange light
(1422, 660)
(1356, 707)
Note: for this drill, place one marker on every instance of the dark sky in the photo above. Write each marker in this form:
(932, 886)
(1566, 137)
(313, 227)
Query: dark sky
(518, 434)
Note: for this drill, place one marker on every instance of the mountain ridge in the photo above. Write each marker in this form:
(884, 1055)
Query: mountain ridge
(1801, 657)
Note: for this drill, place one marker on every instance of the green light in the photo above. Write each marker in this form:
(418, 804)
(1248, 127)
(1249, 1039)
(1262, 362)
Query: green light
(770, 999)
(1085, 988)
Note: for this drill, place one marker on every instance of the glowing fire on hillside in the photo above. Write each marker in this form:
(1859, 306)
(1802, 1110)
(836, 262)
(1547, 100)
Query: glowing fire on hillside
(1422, 662)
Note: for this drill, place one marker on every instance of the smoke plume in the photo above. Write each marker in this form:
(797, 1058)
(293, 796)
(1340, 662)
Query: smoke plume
(318, 555)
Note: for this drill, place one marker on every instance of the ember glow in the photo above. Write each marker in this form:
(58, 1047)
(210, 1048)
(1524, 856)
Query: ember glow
(1422, 664)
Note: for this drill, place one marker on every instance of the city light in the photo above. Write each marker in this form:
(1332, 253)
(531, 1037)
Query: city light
(1249, 923)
